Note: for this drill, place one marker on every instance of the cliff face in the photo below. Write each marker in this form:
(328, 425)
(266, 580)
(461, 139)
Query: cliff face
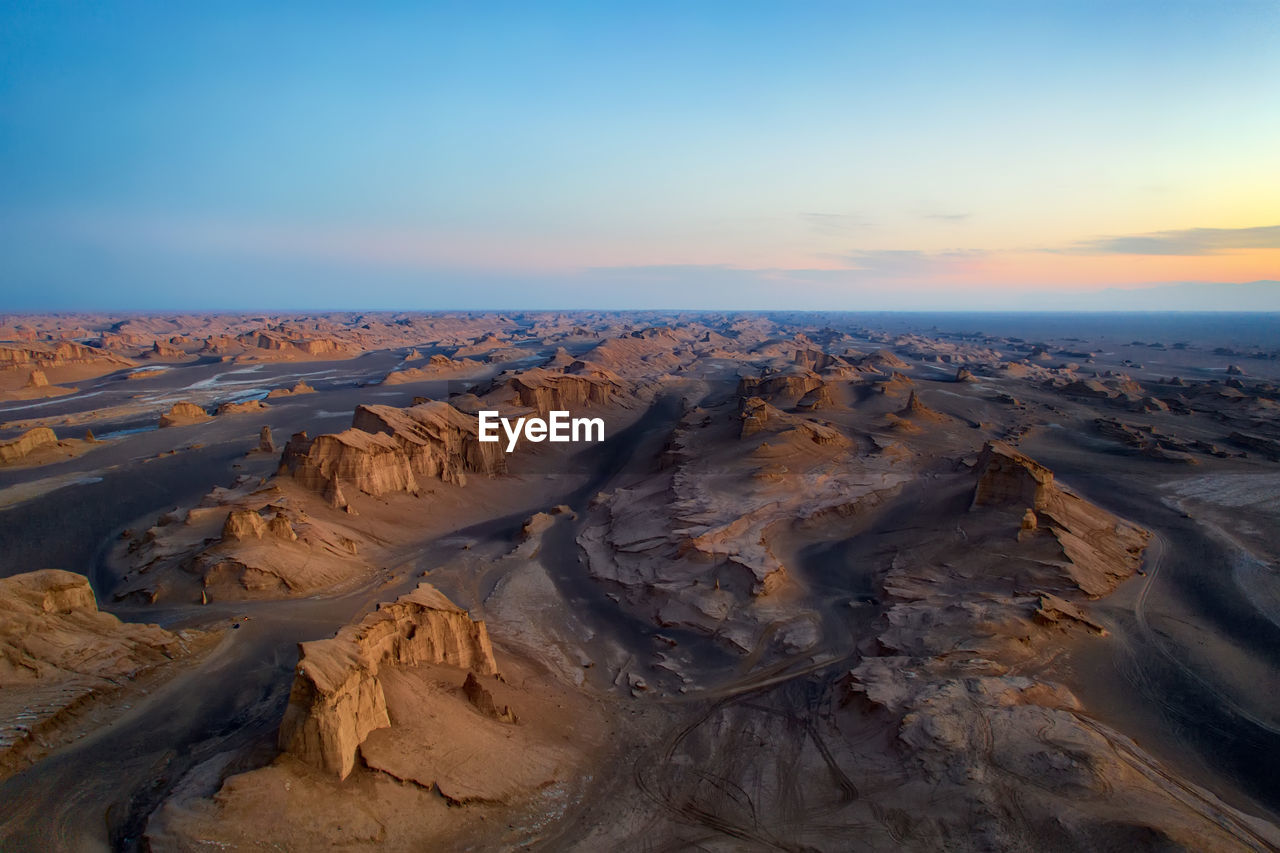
(391, 450)
(1009, 478)
(337, 698)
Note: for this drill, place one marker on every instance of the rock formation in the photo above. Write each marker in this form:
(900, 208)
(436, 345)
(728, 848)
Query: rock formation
(184, 413)
(337, 699)
(26, 444)
(1095, 549)
(241, 407)
(391, 450)
(546, 390)
(1007, 478)
(59, 652)
(300, 388)
(818, 398)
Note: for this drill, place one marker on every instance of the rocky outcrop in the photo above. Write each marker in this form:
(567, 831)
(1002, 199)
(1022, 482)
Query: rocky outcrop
(241, 408)
(300, 388)
(250, 541)
(817, 360)
(1007, 478)
(60, 354)
(161, 350)
(547, 390)
(897, 385)
(792, 384)
(1090, 388)
(58, 653)
(1146, 440)
(337, 698)
(1094, 549)
(184, 413)
(755, 414)
(818, 398)
(392, 450)
(24, 445)
(244, 524)
(482, 700)
(435, 367)
(265, 444)
(1268, 447)
(37, 379)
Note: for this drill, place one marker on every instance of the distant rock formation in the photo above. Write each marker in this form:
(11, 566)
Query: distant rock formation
(37, 379)
(300, 388)
(547, 390)
(391, 450)
(789, 385)
(916, 410)
(337, 699)
(241, 407)
(883, 358)
(817, 360)
(163, 350)
(896, 385)
(436, 366)
(265, 444)
(47, 356)
(183, 413)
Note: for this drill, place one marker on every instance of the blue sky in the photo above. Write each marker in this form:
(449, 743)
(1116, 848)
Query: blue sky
(719, 155)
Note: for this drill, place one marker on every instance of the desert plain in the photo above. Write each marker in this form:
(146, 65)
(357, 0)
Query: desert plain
(830, 582)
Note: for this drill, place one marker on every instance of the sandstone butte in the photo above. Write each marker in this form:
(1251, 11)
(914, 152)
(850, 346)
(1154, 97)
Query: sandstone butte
(391, 450)
(337, 698)
(300, 388)
(1099, 549)
(545, 391)
(183, 413)
(26, 444)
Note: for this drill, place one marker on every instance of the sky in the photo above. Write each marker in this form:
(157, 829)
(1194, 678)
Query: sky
(741, 155)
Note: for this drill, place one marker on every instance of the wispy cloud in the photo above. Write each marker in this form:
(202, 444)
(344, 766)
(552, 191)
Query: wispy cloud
(1190, 241)
(895, 263)
(947, 217)
(836, 223)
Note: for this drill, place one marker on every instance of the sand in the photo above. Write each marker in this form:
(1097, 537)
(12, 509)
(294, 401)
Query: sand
(788, 602)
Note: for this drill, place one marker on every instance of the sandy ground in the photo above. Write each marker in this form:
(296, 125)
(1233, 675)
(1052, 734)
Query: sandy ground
(713, 717)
